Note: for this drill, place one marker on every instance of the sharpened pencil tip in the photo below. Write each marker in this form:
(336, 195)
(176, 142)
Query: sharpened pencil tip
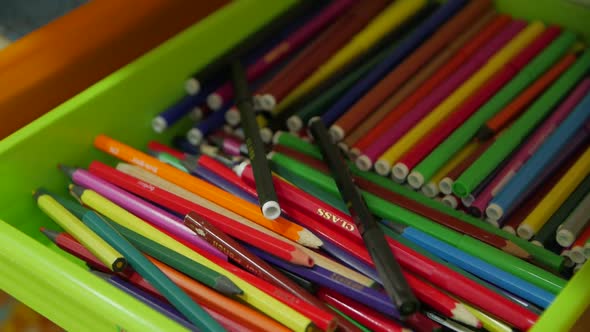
(50, 234)
(516, 250)
(224, 285)
(67, 170)
(39, 192)
(76, 190)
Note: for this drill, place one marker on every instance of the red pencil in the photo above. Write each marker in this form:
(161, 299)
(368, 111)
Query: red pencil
(364, 315)
(419, 151)
(458, 59)
(159, 147)
(274, 246)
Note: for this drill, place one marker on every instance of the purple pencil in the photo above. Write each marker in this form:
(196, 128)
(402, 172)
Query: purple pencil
(349, 288)
(142, 209)
(282, 50)
(442, 91)
(531, 145)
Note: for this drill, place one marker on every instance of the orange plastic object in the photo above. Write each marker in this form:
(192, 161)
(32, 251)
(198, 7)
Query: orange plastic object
(54, 63)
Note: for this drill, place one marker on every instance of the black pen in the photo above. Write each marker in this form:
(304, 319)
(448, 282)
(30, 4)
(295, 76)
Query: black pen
(267, 197)
(388, 268)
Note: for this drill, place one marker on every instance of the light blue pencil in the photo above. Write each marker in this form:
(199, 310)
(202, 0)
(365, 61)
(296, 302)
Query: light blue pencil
(476, 266)
(542, 160)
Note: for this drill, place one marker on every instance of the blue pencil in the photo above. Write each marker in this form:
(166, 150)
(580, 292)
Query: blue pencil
(206, 126)
(406, 46)
(546, 157)
(349, 288)
(181, 301)
(476, 266)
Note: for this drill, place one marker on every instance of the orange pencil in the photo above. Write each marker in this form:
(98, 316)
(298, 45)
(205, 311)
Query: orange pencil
(217, 302)
(197, 186)
(518, 105)
(435, 80)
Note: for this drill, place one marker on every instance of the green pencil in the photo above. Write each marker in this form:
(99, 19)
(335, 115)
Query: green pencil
(462, 135)
(389, 211)
(181, 301)
(540, 255)
(518, 131)
(191, 268)
(546, 235)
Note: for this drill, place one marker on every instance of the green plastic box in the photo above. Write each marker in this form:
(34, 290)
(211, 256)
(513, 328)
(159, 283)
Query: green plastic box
(122, 106)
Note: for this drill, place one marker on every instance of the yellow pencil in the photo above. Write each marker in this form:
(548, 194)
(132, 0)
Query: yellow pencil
(320, 260)
(252, 295)
(391, 18)
(553, 200)
(77, 229)
(432, 188)
(489, 323)
(451, 103)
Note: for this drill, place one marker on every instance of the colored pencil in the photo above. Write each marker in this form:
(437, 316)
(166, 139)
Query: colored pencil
(196, 270)
(149, 299)
(549, 155)
(335, 87)
(540, 255)
(361, 313)
(258, 267)
(206, 190)
(159, 147)
(206, 126)
(389, 19)
(186, 105)
(249, 47)
(213, 178)
(48, 203)
(286, 47)
(532, 143)
(558, 194)
(267, 196)
(511, 221)
(490, 323)
(156, 216)
(432, 188)
(318, 259)
(391, 277)
(319, 50)
(387, 210)
(574, 224)
(486, 91)
(192, 269)
(252, 295)
(518, 131)
(461, 56)
(182, 206)
(476, 266)
(230, 145)
(70, 245)
(517, 106)
(456, 22)
(460, 137)
(226, 306)
(427, 27)
(546, 234)
(458, 96)
(414, 83)
(577, 249)
(437, 95)
(451, 222)
(181, 301)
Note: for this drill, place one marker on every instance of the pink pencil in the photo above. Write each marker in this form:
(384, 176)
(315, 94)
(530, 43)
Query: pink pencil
(488, 90)
(531, 145)
(155, 216)
(295, 40)
(441, 92)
